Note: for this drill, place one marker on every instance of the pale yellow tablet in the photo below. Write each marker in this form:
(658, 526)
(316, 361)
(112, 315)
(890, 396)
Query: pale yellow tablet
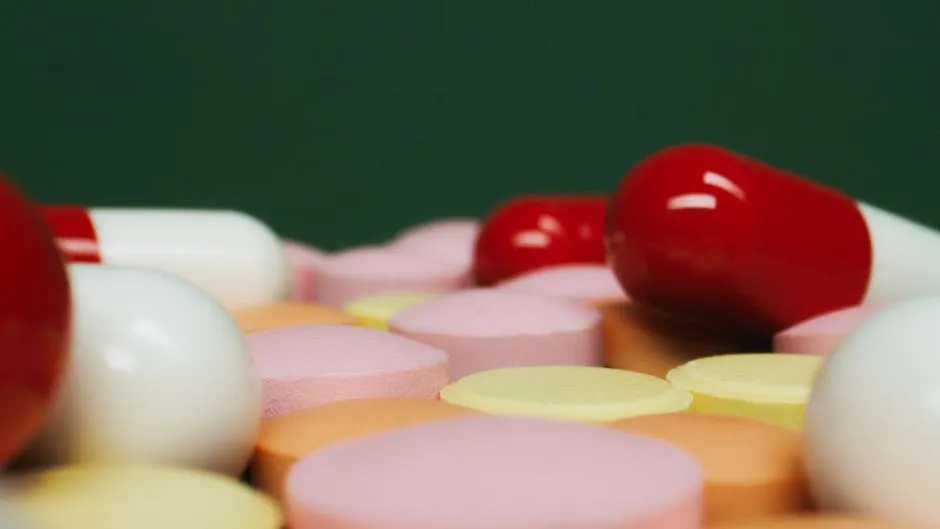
(771, 387)
(138, 497)
(581, 393)
(375, 310)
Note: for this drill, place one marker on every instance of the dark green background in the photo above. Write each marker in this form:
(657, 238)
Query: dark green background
(341, 121)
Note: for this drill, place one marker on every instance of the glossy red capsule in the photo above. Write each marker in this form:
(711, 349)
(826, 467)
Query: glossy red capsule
(533, 232)
(35, 320)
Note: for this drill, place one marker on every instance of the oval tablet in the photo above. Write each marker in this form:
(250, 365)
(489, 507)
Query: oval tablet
(491, 328)
(450, 240)
(352, 274)
(819, 335)
(308, 365)
(288, 314)
(377, 309)
(752, 469)
(138, 497)
(652, 342)
(821, 521)
(288, 438)
(581, 282)
(303, 260)
(489, 472)
(578, 393)
(769, 387)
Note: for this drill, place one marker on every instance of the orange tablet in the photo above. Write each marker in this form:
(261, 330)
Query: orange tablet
(287, 438)
(751, 468)
(653, 343)
(287, 314)
(815, 522)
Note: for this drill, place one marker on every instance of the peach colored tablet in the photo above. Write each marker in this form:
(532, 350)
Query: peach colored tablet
(751, 468)
(581, 282)
(650, 342)
(819, 335)
(307, 365)
(496, 472)
(489, 328)
(303, 260)
(137, 497)
(286, 314)
(579, 393)
(352, 274)
(450, 240)
(377, 309)
(771, 387)
(815, 522)
(285, 439)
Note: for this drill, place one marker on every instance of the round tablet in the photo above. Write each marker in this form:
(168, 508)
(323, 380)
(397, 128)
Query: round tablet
(490, 328)
(450, 240)
(751, 468)
(288, 438)
(873, 420)
(486, 472)
(566, 392)
(352, 274)
(821, 521)
(819, 335)
(287, 314)
(303, 260)
(651, 342)
(138, 497)
(377, 309)
(581, 282)
(307, 365)
(769, 387)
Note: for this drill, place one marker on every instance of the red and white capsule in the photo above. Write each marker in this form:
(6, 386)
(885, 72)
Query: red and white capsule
(701, 230)
(232, 256)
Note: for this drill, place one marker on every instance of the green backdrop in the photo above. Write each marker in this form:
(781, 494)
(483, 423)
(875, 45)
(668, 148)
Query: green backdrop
(341, 121)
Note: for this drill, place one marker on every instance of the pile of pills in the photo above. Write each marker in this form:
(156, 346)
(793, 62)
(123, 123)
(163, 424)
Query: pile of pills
(718, 344)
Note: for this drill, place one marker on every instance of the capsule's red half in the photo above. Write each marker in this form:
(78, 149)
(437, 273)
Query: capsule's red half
(35, 317)
(703, 231)
(535, 232)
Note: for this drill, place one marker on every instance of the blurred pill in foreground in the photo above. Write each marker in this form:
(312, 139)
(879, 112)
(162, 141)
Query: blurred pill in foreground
(159, 374)
(136, 497)
(35, 311)
(231, 255)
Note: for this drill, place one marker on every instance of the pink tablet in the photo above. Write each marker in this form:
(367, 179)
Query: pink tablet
(819, 335)
(355, 273)
(451, 240)
(492, 472)
(489, 328)
(307, 365)
(582, 282)
(303, 261)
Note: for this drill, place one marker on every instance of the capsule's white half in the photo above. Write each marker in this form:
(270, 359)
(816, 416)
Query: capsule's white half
(159, 374)
(905, 257)
(229, 254)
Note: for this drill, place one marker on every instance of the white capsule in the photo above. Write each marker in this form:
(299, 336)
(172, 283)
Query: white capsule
(159, 374)
(231, 255)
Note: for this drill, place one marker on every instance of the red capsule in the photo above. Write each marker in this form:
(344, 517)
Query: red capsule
(35, 319)
(534, 232)
(709, 233)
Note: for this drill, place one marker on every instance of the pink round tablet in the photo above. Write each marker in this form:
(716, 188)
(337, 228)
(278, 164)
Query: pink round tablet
(451, 240)
(496, 472)
(585, 283)
(489, 328)
(819, 335)
(307, 365)
(355, 273)
(303, 261)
